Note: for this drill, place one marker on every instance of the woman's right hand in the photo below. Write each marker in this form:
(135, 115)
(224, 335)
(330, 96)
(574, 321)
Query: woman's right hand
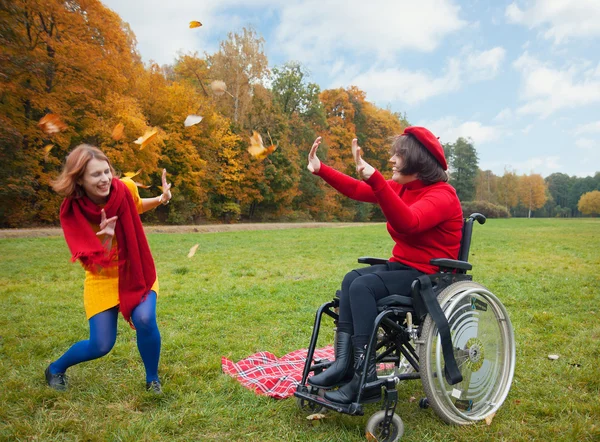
(314, 164)
(107, 226)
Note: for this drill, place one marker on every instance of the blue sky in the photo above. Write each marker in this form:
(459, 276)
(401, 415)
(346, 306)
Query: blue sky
(520, 78)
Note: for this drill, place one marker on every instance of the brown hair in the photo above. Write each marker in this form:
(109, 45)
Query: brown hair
(74, 168)
(417, 159)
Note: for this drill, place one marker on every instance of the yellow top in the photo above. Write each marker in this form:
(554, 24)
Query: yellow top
(101, 290)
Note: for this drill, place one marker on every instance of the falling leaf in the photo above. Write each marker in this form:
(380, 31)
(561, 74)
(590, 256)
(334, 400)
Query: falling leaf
(143, 186)
(132, 174)
(47, 150)
(145, 139)
(191, 120)
(117, 132)
(257, 149)
(218, 87)
(192, 251)
(370, 437)
(316, 417)
(412, 399)
(51, 124)
(553, 357)
(195, 24)
(489, 419)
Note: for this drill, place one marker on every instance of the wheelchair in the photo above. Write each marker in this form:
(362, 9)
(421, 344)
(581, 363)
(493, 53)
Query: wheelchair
(452, 333)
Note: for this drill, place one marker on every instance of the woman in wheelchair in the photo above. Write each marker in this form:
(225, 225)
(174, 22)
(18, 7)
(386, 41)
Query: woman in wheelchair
(424, 218)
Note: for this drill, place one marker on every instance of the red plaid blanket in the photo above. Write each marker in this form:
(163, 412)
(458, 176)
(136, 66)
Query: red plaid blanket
(270, 376)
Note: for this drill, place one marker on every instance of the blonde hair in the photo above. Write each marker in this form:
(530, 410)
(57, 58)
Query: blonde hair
(74, 168)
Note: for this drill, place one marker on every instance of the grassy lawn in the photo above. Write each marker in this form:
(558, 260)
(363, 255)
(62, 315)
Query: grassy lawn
(245, 292)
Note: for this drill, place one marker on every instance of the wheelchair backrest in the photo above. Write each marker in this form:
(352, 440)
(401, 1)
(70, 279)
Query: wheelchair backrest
(467, 231)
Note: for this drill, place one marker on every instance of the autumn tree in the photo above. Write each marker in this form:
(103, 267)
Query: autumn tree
(59, 57)
(240, 62)
(507, 194)
(532, 192)
(589, 203)
(486, 186)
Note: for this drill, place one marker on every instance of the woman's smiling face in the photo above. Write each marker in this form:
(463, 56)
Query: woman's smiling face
(96, 180)
(396, 161)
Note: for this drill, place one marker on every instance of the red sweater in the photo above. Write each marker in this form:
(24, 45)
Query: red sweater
(425, 222)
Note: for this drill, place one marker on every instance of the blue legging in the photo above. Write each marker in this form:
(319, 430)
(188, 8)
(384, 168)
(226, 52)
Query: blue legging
(103, 334)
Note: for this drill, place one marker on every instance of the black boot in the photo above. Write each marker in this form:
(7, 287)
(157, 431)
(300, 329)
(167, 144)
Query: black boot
(349, 392)
(341, 369)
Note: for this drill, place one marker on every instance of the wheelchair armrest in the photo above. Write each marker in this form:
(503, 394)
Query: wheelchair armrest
(454, 264)
(371, 261)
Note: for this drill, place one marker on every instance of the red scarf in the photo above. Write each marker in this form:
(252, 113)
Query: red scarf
(136, 266)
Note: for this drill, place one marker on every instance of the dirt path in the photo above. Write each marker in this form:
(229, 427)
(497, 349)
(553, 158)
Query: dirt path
(208, 228)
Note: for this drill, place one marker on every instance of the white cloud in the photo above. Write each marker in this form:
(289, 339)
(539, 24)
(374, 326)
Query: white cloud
(547, 90)
(527, 129)
(310, 31)
(559, 20)
(586, 143)
(410, 87)
(449, 129)
(593, 127)
(484, 65)
(504, 115)
(541, 164)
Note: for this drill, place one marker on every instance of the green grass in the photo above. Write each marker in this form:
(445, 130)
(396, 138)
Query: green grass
(250, 291)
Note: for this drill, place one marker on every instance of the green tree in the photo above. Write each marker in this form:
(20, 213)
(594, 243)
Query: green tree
(463, 168)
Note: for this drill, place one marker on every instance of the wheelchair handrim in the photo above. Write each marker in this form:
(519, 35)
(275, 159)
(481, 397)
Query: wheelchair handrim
(501, 374)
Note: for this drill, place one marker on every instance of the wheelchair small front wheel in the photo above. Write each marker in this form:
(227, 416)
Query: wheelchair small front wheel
(484, 348)
(309, 407)
(374, 430)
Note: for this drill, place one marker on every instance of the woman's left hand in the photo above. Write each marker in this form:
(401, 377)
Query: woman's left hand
(364, 169)
(166, 188)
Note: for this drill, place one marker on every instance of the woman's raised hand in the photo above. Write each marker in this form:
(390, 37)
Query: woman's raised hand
(107, 226)
(364, 169)
(314, 164)
(166, 188)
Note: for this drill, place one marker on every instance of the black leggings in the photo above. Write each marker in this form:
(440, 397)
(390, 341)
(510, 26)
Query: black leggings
(362, 288)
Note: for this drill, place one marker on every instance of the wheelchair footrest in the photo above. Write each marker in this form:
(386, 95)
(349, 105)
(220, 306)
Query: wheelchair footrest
(353, 409)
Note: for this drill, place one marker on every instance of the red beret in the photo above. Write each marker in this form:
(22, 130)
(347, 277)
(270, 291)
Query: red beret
(430, 142)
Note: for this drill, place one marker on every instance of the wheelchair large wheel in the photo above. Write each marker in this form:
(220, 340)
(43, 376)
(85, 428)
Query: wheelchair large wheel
(484, 348)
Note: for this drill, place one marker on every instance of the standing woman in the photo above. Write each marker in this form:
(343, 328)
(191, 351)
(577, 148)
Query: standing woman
(101, 224)
(424, 218)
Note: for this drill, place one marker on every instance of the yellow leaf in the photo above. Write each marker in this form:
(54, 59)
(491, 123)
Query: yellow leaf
(191, 120)
(192, 251)
(51, 124)
(143, 186)
(489, 419)
(195, 24)
(257, 149)
(117, 132)
(145, 139)
(132, 174)
(47, 150)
